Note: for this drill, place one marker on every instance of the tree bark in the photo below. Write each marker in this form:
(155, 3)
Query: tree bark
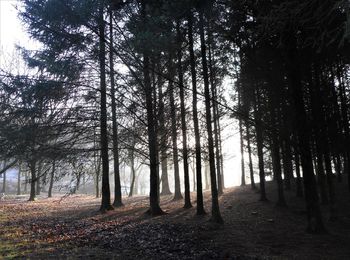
(4, 181)
(324, 140)
(260, 145)
(38, 178)
(156, 127)
(337, 166)
(251, 171)
(299, 190)
(183, 120)
(19, 180)
(132, 183)
(132, 162)
(52, 178)
(200, 204)
(106, 195)
(117, 189)
(97, 176)
(314, 217)
(177, 192)
(26, 181)
(215, 114)
(287, 163)
(207, 175)
(241, 143)
(194, 173)
(163, 140)
(275, 153)
(32, 166)
(216, 215)
(152, 138)
(221, 152)
(345, 126)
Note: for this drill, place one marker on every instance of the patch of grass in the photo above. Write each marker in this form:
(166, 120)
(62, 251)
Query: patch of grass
(12, 243)
(3, 217)
(11, 249)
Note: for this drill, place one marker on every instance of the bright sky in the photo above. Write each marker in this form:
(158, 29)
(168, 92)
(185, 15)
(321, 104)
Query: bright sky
(12, 33)
(10, 27)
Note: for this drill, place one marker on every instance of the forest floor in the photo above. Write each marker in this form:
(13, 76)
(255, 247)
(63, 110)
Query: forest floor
(73, 228)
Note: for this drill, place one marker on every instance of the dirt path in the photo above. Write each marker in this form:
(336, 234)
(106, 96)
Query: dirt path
(73, 228)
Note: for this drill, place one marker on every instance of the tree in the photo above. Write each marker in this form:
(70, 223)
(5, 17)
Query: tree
(52, 178)
(106, 200)
(152, 140)
(242, 145)
(183, 119)
(216, 216)
(117, 190)
(19, 180)
(200, 207)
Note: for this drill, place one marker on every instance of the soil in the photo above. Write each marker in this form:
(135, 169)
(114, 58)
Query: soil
(72, 228)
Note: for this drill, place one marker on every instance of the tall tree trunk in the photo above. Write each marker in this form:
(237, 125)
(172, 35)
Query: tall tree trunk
(183, 120)
(4, 182)
(275, 153)
(200, 205)
(32, 167)
(334, 127)
(297, 168)
(345, 126)
(337, 166)
(165, 190)
(315, 222)
(106, 194)
(319, 124)
(77, 186)
(216, 215)
(177, 192)
(207, 175)
(215, 114)
(164, 177)
(251, 171)
(321, 176)
(325, 138)
(152, 138)
(97, 177)
(117, 189)
(136, 185)
(133, 174)
(38, 178)
(97, 166)
(19, 180)
(286, 121)
(276, 162)
(241, 143)
(194, 173)
(260, 145)
(132, 162)
(217, 144)
(156, 127)
(287, 162)
(52, 178)
(220, 152)
(331, 191)
(26, 181)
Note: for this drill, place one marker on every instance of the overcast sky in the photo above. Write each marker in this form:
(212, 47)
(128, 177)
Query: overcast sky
(11, 31)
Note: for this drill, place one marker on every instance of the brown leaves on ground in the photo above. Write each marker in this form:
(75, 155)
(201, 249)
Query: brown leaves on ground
(73, 228)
